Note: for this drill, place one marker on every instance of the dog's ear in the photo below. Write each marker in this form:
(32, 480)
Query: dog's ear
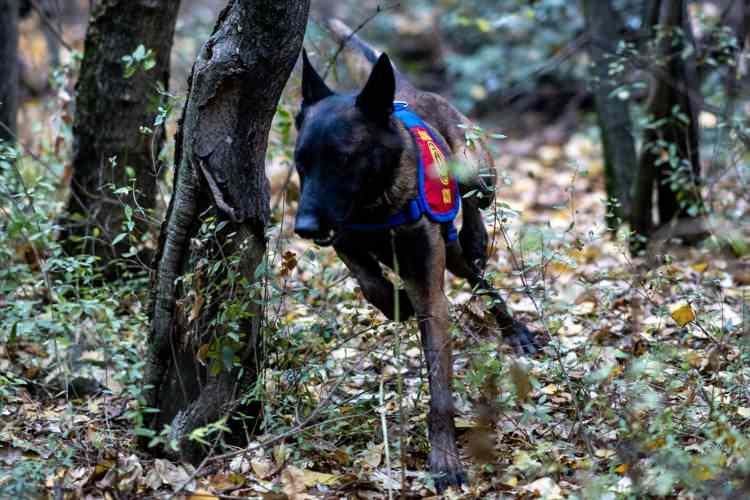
(313, 87)
(376, 99)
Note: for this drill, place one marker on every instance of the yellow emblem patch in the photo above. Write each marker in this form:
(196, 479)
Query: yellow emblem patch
(440, 163)
(447, 196)
(424, 135)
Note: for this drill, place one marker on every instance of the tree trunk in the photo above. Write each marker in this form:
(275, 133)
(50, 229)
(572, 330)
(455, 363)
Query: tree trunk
(670, 156)
(110, 148)
(207, 305)
(8, 69)
(738, 17)
(613, 113)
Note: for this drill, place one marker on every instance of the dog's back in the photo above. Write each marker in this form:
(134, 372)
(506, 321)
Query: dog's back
(477, 166)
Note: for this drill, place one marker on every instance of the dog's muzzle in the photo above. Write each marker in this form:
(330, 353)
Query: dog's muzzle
(309, 227)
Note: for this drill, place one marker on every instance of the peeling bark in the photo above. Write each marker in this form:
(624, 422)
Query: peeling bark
(110, 111)
(235, 87)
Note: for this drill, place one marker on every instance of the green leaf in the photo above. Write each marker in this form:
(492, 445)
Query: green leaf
(140, 53)
(119, 238)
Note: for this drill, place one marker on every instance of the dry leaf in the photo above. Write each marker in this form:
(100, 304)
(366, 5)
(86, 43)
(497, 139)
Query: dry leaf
(174, 475)
(695, 359)
(312, 478)
(511, 482)
(202, 495)
(373, 455)
(699, 267)
(584, 308)
(226, 481)
(263, 468)
(682, 313)
(195, 311)
(202, 353)
(549, 389)
(622, 469)
(239, 465)
(545, 488)
(293, 481)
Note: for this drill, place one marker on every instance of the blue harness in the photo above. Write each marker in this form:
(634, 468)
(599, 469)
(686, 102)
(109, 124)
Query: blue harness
(422, 135)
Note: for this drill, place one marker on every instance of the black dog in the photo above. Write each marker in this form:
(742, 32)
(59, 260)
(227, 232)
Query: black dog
(359, 165)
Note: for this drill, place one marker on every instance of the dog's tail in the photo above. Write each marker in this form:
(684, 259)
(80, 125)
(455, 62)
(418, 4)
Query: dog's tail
(359, 56)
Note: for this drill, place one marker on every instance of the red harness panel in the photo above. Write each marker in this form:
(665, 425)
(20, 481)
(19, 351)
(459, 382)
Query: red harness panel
(438, 187)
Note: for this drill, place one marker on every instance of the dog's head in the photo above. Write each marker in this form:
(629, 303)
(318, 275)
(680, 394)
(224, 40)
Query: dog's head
(347, 149)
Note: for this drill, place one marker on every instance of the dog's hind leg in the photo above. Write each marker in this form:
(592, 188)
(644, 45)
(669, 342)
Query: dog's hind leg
(467, 258)
(473, 237)
(376, 289)
(421, 255)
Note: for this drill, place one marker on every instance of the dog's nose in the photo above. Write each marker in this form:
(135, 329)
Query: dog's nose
(308, 226)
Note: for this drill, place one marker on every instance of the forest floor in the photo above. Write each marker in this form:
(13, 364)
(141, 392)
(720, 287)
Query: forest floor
(641, 390)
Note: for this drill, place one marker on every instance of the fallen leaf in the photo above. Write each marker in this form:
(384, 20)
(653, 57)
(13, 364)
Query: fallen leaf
(682, 313)
(549, 389)
(545, 488)
(655, 444)
(293, 481)
(174, 475)
(372, 456)
(584, 308)
(312, 478)
(263, 468)
(511, 481)
(226, 481)
(239, 465)
(699, 267)
(695, 359)
(202, 495)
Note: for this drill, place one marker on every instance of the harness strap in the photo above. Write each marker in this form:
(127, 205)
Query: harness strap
(416, 208)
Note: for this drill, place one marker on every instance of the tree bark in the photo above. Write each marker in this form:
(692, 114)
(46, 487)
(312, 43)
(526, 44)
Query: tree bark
(613, 113)
(738, 18)
(8, 69)
(213, 238)
(110, 149)
(670, 156)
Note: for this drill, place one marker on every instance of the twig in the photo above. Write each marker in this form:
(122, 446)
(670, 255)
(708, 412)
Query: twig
(397, 356)
(356, 30)
(386, 447)
(48, 22)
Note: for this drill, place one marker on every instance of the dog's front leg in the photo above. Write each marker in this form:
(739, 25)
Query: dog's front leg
(376, 289)
(421, 256)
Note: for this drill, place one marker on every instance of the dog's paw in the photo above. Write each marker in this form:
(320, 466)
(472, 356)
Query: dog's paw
(447, 473)
(522, 340)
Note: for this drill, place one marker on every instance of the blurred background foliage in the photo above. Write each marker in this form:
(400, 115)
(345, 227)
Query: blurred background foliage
(626, 388)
